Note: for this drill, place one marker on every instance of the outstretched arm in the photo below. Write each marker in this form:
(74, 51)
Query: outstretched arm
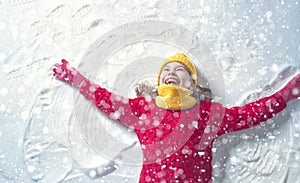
(254, 113)
(116, 107)
(65, 72)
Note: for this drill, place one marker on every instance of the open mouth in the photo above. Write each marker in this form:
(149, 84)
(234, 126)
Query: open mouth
(171, 81)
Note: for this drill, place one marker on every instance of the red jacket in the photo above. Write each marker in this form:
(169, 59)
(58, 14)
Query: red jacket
(177, 145)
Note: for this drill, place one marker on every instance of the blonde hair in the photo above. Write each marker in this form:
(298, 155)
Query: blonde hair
(148, 88)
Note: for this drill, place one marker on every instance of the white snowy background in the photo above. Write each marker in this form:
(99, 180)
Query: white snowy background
(255, 43)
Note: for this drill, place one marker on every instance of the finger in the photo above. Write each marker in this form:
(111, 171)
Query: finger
(57, 65)
(58, 71)
(55, 73)
(64, 61)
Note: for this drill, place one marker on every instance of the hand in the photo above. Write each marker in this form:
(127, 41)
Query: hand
(295, 85)
(67, 73)
(292, 89)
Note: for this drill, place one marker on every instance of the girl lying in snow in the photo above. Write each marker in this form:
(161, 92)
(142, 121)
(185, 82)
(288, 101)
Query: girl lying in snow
(176, 129)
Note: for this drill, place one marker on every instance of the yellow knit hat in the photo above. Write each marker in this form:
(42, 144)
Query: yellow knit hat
(183, 59)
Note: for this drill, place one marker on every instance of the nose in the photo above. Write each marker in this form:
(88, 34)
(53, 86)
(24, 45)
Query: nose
(171, 72)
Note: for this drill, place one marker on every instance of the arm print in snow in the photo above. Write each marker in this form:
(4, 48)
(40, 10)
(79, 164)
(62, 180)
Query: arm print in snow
(254, 113)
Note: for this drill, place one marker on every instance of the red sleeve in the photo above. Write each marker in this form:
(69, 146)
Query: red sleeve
(252, 114)
(126, 111)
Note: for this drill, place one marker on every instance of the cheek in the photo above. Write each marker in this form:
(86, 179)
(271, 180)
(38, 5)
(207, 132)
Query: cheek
(187, 80)
(161, 78)
(185, 77)
(161, 81)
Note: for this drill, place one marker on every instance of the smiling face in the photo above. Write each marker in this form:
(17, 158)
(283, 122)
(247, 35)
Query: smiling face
(175, 73)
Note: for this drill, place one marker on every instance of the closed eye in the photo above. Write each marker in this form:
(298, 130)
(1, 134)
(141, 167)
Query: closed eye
(180, 69)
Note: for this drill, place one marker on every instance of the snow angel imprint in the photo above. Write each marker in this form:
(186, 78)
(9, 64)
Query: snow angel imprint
(178, 106)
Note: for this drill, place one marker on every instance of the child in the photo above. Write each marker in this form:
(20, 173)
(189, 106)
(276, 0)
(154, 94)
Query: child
(177, 130)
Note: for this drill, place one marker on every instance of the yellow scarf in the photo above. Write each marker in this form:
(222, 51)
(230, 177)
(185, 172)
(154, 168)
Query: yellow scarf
(174, 97)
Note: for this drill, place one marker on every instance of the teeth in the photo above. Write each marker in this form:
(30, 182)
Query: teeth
(171, 81)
